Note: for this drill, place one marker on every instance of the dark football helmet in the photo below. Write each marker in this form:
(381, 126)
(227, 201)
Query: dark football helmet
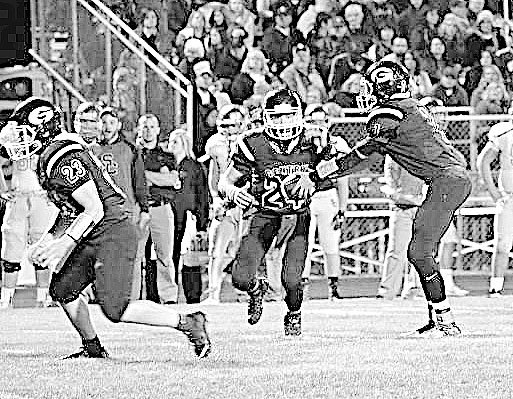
(381, 81)
(86, 122)
(33, 123)
(282, 115)
(231, 121)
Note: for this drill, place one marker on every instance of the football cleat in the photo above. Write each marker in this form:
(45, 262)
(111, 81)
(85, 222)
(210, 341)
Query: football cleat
(193, 325)
(420, 331)
(255, 302)
(292, 323)
(84, 353)
(495, 294)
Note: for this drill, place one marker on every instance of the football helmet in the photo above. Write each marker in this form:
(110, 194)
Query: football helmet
(33, 123)
(86, 122)
(231, 121)
(282, 115)
(381, 81)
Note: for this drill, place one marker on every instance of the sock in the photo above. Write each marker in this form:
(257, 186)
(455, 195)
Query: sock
(41, 294)
(496, 284)
(430, 311)
(333, 280)
(7, 294)
(443, 312)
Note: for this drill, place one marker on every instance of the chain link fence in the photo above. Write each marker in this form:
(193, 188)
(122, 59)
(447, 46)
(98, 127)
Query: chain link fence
(365, 231)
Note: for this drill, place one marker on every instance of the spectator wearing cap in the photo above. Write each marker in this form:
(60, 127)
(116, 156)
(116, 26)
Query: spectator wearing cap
(299, 75)
(238, 15)
(412, 16)
(278, 39)
(307, 20)
(204, 103)
(193, 49)
(254, 72)
(228, 62)
(484, 37)
(449, 91)
(124, 163)
(360, 31)
(421, 35)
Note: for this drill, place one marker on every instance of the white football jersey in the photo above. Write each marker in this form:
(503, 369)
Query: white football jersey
(24, 177)
(501, 137)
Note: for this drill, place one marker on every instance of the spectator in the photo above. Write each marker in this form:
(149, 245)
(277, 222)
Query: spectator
(218, 21)
(421, 35)
(473, 76)
(494, 100)
(228, 62)
(238, 15)
(159, 166)
(383, 44)
(399, 48)
(215, 42)
(125, 100)
(193, 50)
(448, 89)
(177, 11)
(383, 12)
(453, 38)
(491, 73)
(420, 83)
(307, 20)
(301, 73)
(346, 96)
(204, 103)
(278, 40)
(323, 44)
(254, 71)
(412, 16)
(344, 65)
(196, 27)
(474, 8)
(458, 12)
(191, 194)
(484, 38)
(435, 60)
(360, 32)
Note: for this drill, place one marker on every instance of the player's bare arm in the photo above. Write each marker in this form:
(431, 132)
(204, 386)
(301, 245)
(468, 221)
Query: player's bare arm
(53, 253)
(227, 185)
(484, 161)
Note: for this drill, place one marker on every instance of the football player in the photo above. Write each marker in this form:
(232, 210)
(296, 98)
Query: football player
(500, 144)
(224, 230)
(329, 202)
(401, 127)
(92, 235)
(268, 177)
(123, 161)
(27, 214)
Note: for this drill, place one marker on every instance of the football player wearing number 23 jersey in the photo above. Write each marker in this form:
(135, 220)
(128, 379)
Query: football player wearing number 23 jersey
(268, 173)
(405, 130)
(92, 236)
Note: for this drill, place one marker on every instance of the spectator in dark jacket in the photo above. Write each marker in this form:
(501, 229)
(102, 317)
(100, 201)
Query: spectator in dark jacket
(449, 90)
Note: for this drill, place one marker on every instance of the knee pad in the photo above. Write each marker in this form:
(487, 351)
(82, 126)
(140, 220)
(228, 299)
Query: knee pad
(11, 267)
(60, 293)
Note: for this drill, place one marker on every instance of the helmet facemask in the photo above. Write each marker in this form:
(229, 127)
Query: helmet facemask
(284, 122)
(19, 141)
(366, 100)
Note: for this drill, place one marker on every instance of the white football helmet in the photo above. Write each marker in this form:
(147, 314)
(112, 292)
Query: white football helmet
(19, 140)
(282, 115)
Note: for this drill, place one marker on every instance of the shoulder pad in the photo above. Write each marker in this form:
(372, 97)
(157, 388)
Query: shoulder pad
(57, 150)
(387, 112)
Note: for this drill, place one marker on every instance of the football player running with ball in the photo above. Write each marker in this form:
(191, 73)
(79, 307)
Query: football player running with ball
(268, 177)
(408, 132)
(92, 235)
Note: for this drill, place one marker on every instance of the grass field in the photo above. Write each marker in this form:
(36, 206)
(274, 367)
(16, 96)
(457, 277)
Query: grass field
(348, 349)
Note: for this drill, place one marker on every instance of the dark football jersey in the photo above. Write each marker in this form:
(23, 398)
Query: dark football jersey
(412, 136)
(270, 170)
(118, 159)
(64, 166)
